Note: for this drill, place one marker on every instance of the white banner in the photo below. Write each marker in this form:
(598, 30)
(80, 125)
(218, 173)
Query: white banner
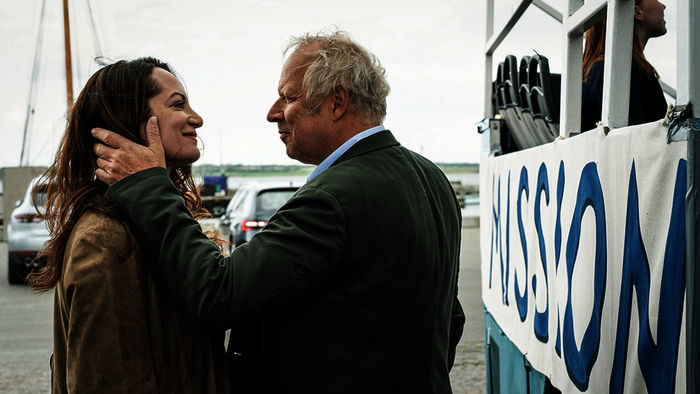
(583, 258)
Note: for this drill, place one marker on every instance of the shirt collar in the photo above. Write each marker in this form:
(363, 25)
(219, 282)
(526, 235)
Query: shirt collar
(328, 161)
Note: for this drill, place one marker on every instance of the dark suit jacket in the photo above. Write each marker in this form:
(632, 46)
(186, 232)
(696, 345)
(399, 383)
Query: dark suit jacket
(353, 282)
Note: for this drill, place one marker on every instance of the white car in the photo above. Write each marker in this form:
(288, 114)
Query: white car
(26, 235)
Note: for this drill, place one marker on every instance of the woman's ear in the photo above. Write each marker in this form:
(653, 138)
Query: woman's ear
(638, 13)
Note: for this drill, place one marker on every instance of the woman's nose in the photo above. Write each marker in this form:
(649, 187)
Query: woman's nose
(196, 120)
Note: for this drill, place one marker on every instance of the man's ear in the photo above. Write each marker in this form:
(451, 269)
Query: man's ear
(341, 101)
(638, 13)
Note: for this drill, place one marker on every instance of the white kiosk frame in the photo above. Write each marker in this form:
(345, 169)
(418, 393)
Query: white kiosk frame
(579, 17)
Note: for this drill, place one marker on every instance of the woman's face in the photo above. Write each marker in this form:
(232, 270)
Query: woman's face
(651, 15)
(176, 119)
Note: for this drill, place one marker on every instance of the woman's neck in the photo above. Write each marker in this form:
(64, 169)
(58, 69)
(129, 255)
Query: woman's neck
(641, 36)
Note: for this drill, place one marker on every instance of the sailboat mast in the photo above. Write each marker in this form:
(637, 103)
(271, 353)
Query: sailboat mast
(69, 69)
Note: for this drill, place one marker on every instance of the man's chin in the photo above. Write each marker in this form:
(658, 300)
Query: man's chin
(290, 151)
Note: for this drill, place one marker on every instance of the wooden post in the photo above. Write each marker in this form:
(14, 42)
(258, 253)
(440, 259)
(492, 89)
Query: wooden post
(69, 69)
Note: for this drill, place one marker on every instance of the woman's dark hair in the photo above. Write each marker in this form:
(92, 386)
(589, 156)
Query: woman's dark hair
(116, 98)
(594, 50)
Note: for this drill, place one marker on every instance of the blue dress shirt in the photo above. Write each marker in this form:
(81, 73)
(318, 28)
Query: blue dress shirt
(328, 161)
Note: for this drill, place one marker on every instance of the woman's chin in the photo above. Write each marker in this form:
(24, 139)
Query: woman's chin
(179, 162)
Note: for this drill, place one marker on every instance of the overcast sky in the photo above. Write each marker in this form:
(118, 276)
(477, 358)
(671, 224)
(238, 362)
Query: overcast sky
(229, 55)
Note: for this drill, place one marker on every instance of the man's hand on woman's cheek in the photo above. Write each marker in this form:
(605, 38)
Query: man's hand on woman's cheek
(118, 157)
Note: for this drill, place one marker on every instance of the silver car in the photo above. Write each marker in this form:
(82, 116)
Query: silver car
(250, 209)
(26, 235)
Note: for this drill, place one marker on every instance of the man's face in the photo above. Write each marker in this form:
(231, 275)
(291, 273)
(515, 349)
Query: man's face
(305, 135)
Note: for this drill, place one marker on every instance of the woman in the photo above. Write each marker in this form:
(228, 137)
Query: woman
(647, 102)
(115, 329)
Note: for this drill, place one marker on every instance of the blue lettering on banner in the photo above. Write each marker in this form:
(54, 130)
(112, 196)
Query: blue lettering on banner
(580, 362)
(521, 300)
(494, 223)
(557, 246)
(657, 361)
(541, 318)
(496, 229)
(506, 272)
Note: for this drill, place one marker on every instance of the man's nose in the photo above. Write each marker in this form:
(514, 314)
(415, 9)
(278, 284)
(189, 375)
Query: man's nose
(275, 114)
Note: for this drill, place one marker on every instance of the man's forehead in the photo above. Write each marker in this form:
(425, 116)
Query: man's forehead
(299, 60)
(294, 69)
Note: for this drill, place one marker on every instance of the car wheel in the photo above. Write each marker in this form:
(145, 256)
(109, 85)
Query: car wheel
(16, 274)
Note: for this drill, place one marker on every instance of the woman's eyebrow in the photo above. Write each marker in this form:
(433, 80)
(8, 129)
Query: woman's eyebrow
(178, 94)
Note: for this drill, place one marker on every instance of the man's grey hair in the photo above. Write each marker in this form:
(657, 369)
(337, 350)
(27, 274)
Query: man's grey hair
(341, 61)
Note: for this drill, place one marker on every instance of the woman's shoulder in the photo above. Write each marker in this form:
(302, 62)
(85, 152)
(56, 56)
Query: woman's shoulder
(98, 244)
(596, 71)
(99, 227)
(639, 75)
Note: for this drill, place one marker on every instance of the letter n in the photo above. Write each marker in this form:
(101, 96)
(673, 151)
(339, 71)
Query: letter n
(657, 361)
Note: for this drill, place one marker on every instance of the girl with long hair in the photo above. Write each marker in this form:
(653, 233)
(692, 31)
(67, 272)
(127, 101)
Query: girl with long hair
(647, 101)
(115, 328)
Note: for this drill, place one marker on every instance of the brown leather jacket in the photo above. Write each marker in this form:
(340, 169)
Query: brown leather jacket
(117, 331)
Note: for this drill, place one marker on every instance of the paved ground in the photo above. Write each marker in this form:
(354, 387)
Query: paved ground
(25, 336)
(469, 372)
(26, 323)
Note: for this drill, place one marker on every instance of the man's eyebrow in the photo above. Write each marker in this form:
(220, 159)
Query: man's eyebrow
(178, 94)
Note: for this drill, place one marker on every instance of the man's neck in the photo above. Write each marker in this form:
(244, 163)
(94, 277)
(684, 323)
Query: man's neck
(350, 129)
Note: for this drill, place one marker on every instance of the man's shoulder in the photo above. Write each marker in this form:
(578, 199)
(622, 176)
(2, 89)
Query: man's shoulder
(379, 166)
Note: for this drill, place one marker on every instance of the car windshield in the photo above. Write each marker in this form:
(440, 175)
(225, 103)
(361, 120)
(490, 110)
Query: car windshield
(271, 200)
(41, 198)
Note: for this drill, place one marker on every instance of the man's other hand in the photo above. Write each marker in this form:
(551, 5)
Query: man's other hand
(118, 157)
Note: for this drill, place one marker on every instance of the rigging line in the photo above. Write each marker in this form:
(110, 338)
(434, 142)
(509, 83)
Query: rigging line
(57, 126)
(99, 55)
(76, 48)
(32, 87)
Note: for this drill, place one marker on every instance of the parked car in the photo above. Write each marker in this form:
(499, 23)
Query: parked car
(250, 209)
(26, 235)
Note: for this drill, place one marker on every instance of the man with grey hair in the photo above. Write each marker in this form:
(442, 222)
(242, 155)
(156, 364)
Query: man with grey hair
(352, 285)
